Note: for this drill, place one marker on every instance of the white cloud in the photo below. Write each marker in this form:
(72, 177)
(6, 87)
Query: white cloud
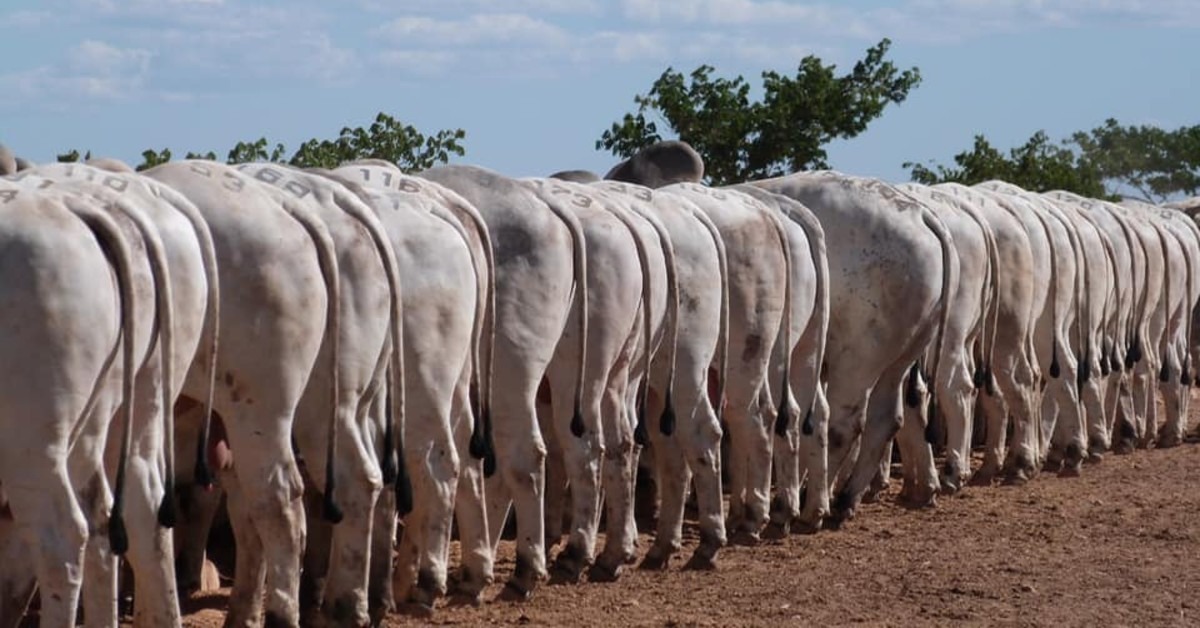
(488, 28)
(91, 71)
(467, 7)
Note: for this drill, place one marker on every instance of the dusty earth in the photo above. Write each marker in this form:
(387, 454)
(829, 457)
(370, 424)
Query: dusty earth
(1118, 546)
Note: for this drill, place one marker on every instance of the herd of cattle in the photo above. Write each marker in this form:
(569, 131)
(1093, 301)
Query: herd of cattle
(335, 347)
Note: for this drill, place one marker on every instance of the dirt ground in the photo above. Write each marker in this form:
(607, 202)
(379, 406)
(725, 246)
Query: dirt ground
(1118, 546)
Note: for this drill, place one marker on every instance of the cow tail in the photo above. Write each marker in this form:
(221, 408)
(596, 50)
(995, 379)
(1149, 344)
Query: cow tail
(212, 313)
(950, 274)
(165, 320)
(723, 332)
(327, 258)
(394, 467)
(117, 250)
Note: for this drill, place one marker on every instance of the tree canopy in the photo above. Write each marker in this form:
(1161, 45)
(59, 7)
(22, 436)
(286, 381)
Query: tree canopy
(1038, 165)
(1109, 161)
(386, 138)
(743, 139)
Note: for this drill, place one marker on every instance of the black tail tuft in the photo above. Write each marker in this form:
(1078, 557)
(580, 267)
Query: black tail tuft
(1137, 352)
(1055, 371)
(1185, 376)
(979, 378)
(118, 538)
(478, 445)
(577, 427)
(203, 472)
(990, 382)
(640, 435)
(388, 462)
(1164, 374)
(330, 510)
(166, 509)
(807, 427)
(666, 423)
(489, 463)
(404, 492)
(932, 431)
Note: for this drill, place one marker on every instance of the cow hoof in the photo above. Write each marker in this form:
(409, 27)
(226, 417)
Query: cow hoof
(806, 527)
(983, 477)
(1168, 440)
(950, 484)
(605, 571)
(776, 531)
(470, 586)
(1018, 475)
(918, 499)
(1095, 454)
(703, 559)
(569, 565)
(657, 558)
(417, 609)
(1070, 471)
(514, 592)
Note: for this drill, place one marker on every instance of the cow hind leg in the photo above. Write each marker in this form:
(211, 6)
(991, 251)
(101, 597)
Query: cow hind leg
(436, 486)
(672, 476)
(883, 421)
(619, 466)
(475, 549)
(16, 585)
(521, 463)
(53, 527)
(249, 576)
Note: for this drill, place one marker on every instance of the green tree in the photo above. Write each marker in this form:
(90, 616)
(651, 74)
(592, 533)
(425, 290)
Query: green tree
(785, 131)
(387, 139)
(246, 152)
(152, 158)
(1038, 165)
(1152, 162)
(72, 156)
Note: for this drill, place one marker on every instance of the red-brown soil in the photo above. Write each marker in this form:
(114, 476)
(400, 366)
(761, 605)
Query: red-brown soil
(1118, 546)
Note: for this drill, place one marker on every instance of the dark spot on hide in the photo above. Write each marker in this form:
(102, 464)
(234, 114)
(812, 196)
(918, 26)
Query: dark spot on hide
(753, 347)
(511, 243)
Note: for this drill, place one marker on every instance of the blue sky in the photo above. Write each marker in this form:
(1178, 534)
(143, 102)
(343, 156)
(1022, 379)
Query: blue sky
(535, 82)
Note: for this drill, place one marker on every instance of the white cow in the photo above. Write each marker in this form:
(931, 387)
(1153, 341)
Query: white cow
(1012, 377)
(892, 272)
(691, 449)
(962, 365)
(540, 271)
(1182, 254)
(618, 281)
(445, 266)
(69, 309)
(1133, 424)
(279, 288)
(760, 321)
(369, 301)
(1096, 291)
(189, 259)
(1054, 249)
(801, 446)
